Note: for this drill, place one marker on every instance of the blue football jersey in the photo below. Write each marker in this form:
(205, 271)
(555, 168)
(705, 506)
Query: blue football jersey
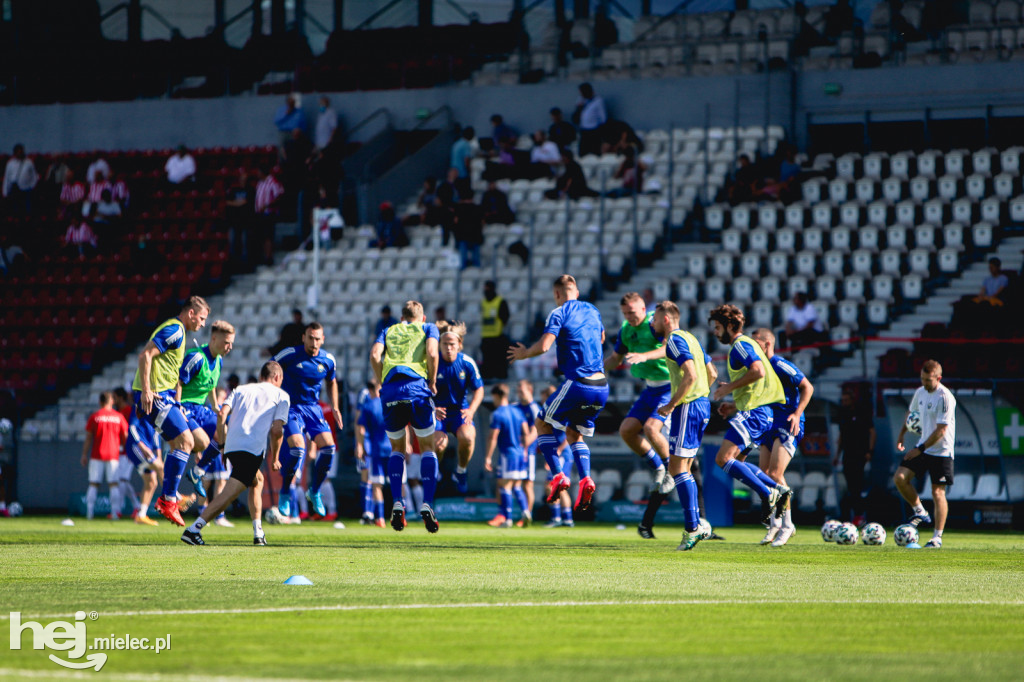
(577, 328)
(371, 417)
(790, 376)
(456, 381)
(509, 422)
(304, 374)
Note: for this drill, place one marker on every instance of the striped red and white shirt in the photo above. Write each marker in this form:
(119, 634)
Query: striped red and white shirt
(72, 193)
(268, 191)
(80, 234)
(96, 191)
(120, 192)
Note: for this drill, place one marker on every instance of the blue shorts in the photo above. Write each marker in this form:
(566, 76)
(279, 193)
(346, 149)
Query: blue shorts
(651, 398)
(686, 428)
(453, 422)
(306, 419)
(405, 403)
(216, 466)
(203, 415)
(575, 405)
(748, 428)
(364, 463)
(167, 416)
(780, 432)
(513, 464)
(144, 433)
(378, 465)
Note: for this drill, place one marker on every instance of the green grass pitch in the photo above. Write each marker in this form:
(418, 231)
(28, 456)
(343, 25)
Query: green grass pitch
(477, 603)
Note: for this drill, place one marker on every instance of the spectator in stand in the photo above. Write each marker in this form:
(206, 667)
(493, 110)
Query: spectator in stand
(239, 213)
(72, 194)
(618, 136)
(428, 206)
(326, 124)
(96, 189)
(12, 257)
(856, 443)
(390, 231)
(20, 180)
(545, 156)
(561, 132)
(96, 169)
(80, 239)
(494, 316)
(572, 182)
(802, 324)
(502, 132)
(469, 225)
(180, 168)
(269, 191)
(631, 172)
(120, 191)
(386, 320)
(447, 196)
(590, 116)
(741, 188)
(994, 285)
(289, 117)
(462, 152)
(291, 334)
(106, 210)
(495, 206)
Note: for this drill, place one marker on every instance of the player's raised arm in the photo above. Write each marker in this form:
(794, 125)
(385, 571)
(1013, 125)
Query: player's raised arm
(542, 346)
(145, 367)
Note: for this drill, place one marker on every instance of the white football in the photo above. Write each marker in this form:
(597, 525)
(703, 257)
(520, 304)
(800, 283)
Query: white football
(5, 426)
(905, 535)
(15, 509)
(873, 534)
(846, 534)
(914, 422)
(828, 531)
(272, 516)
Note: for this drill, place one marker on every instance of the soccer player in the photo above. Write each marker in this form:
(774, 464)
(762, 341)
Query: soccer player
(933, 453)
(404, 359)
(691, 373)
(155, 393)
(105, 433)
(305, 368)
(260, 411)
(755, 387)
(142, 451)
(363, 463)
(460, 390)
(197, 391)
(510, 434)
(577, 328)
(561, 507)
(530, 411)
(642, 427)
(374, 448)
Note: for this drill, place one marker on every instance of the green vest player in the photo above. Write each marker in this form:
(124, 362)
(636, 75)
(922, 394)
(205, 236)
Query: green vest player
(197, 391)
(156, 399)
(640, 346)
(755, 387)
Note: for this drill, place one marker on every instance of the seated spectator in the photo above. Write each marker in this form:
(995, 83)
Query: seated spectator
(180, 168)
(428, 206)
(631, 172)
(72, 194)
(12, 257)
(107, 211)
(502, 132)
(545, 155)
(802, 324)
(618, 136)
(561, 132)
(741, 188)
(97, 187)
(390, 231)
(468, 227)
(494, 204)
(994, 285)
(80, 239)
(97, 168)
(572, 182)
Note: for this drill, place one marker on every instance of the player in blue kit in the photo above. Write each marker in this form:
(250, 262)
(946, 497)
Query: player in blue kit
(404, 359)
(530, 410)
(142, 448)
(363, 463)
(374, 448)
(779, 445)
(510, 435)
(561, 507)
(754, 387)
(305, 368)
(576, 331)
(460, 390)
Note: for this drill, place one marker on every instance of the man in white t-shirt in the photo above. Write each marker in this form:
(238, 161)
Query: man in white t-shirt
(933, 453)
(258, 410)
(181, 167)
(803, 326)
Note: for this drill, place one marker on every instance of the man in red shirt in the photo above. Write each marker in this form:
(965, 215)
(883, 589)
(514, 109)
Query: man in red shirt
(105, 434)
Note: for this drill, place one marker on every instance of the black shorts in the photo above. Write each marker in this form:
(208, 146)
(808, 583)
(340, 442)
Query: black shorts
(244, 466)
(940, 468)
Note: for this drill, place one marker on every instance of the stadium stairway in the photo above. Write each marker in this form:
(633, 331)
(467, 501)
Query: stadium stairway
(937, 307)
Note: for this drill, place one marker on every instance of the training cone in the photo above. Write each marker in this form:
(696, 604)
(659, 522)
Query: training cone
(298, 580)
(67, 522)
(913, 545)
(339, 525)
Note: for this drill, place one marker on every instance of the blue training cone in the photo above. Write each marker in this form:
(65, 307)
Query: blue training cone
(912, 545)
(298, 580)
